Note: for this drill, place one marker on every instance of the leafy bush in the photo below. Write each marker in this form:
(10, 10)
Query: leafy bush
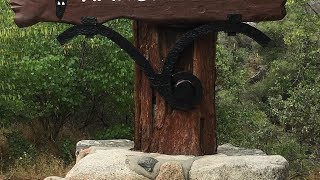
(120, 131)
(279, 113)
(19, 147)
(67, 148)
(86, 82)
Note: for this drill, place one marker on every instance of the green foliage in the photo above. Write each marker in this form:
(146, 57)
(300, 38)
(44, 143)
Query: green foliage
(66, 149)
(231, 66)
(239, 123)
(120, 131)
(87, 81)
(39, 88)
(19, 148)
(279, 113)
(300, 118)
(42, 80)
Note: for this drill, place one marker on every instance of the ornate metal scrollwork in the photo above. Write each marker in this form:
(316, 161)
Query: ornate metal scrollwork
(182, 90)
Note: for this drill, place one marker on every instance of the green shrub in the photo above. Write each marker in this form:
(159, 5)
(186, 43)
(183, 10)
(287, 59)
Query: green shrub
(19, 148)
(67, 149)
(120, 131)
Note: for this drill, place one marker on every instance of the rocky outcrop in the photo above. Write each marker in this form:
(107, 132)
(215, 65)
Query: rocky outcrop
(118, 162)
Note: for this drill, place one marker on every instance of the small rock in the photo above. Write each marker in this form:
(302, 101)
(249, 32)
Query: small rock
(147, 163)
(171, 170)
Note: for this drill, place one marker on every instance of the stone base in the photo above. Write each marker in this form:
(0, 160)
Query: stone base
(116, 161)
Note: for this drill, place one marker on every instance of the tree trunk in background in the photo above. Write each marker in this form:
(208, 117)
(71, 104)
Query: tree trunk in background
(158, 127)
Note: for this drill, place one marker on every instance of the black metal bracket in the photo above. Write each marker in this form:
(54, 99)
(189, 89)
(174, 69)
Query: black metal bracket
(182, 90)
(233, 21)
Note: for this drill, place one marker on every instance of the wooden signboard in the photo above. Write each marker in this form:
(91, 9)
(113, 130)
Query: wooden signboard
(29, 12)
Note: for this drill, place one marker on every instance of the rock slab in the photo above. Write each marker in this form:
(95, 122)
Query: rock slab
(118, 162)
(253, 167)
(104, 164)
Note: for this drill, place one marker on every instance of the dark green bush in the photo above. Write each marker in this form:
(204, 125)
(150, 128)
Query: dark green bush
(120, 131)
(19, 147)
(67, 148)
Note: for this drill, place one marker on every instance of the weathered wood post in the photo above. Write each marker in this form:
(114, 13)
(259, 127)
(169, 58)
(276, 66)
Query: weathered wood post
(175, 110)
(159, 127)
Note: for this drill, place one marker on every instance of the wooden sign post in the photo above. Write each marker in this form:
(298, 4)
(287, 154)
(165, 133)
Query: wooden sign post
(175, 44)
(159, 127)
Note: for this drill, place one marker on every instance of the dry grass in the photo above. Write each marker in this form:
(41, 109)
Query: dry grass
(315, 175)
(42, 166)
(45, 163)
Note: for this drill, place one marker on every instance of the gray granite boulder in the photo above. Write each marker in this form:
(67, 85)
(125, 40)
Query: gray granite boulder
(253, 167)
(104, 164)
(114, 160)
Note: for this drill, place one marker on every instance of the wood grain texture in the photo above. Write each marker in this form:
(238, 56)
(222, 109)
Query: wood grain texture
(160, 11)
(159, 128)
(177, 11)
(174, 11)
